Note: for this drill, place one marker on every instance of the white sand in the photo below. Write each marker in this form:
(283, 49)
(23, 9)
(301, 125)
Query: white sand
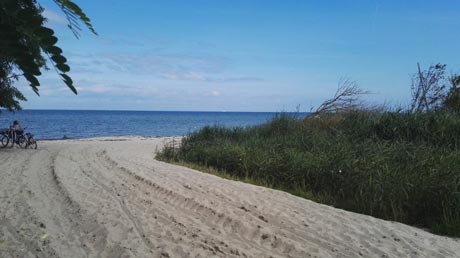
(111, 198)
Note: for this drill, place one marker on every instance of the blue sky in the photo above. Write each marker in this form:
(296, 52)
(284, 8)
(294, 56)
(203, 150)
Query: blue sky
(246, 55)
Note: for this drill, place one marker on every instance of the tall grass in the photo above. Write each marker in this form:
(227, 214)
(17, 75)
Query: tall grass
(397, 166)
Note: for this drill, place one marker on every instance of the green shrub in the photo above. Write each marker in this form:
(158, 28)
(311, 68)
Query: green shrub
(396, 166)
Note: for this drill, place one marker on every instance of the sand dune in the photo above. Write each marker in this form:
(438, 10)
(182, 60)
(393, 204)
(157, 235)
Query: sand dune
(111, 198)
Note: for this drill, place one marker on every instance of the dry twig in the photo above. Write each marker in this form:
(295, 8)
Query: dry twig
(346, 98)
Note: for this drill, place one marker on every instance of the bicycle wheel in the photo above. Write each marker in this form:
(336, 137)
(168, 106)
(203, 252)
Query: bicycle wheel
(22, 141)
(10, 142)
(32, 143)
(4, 141)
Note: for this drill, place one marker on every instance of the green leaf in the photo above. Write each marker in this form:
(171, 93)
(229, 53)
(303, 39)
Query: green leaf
(71, 10)
(27, 64)
(76, 9)
(45, 32)
(66, 78)
(35, 89)
(49, 41)
(32, 79)
(54, 50)
(59, 59)
(68, 81)
(63, 67)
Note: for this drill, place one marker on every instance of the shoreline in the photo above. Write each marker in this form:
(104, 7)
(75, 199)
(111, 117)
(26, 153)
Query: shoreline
(108, 138)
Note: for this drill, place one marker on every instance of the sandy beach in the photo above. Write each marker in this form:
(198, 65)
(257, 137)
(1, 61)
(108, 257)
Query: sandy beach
(109, 197)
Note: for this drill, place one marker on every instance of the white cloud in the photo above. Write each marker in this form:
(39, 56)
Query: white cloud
(122, 90)
(170, 67)
(215, 93)
(192, 76)
(188, 76)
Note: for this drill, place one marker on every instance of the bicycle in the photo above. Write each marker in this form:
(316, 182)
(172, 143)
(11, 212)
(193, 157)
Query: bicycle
(26, 141)
(5, 138)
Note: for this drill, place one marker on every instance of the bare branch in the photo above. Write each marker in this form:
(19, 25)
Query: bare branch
(346, 98)
(428, 90)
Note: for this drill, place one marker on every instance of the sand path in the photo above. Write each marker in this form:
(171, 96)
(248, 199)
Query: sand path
(111, 198)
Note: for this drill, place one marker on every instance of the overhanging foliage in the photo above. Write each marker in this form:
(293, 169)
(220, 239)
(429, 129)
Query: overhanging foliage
(26, 43)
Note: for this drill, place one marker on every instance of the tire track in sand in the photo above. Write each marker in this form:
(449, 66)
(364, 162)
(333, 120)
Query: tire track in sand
(92, 237)
(266, 242)
(121, 205)
(91, 173)
(23, 234)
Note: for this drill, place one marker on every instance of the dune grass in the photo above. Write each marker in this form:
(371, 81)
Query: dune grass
(392, 165)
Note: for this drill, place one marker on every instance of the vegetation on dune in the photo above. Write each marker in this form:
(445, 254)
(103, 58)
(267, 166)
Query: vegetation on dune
(397, 165)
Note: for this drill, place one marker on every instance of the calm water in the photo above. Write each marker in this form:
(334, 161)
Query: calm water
(56, 124)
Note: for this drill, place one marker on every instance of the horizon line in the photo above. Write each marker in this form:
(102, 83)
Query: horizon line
(130, 110)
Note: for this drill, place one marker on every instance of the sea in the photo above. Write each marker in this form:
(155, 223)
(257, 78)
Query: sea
(76, 124)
